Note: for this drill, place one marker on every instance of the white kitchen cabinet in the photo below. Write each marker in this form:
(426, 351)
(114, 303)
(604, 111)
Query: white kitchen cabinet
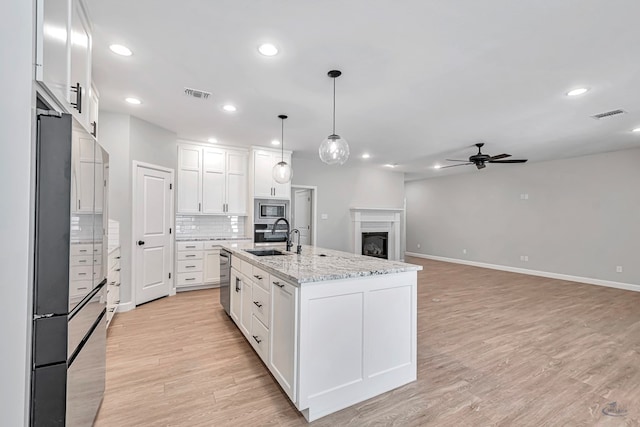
(211, 181)
(189, 179)
(264, 186)
(283, 345)
(85, 173)
(246, 312)
(94, 105)
(113, 284)
(212, 266)
(63, 55)
(236, 296)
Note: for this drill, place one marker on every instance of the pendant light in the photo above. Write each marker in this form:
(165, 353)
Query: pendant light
(334, 150)
(282, 170)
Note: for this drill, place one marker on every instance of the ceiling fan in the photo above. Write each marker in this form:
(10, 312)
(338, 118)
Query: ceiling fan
(480, 159)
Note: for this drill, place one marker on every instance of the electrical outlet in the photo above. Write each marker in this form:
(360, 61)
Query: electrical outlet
(524, 196)
(464, 251)
(418, 245)
(324, 216)
(619, 269)
(524, 258)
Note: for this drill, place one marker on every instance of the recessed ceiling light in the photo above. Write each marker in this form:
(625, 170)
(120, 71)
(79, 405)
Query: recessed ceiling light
(120, 50)
(134, 101)
(212, 140)
(437, 167)
(366, 155)
(267, 49)
(275, 142)
(636, 130)
(388, 165)
(229, 108)
(577, 91)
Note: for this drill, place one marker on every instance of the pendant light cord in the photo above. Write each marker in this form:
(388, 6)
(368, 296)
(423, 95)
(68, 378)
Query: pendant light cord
(282, 142)
(334, 105)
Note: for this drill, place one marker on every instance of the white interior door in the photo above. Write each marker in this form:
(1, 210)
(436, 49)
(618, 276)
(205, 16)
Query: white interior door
(302, 215)
(152, 236)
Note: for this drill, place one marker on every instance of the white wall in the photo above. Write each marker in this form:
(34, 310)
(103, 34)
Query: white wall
(581, 217)
(344, 187)
(128, 138)
(16, 86)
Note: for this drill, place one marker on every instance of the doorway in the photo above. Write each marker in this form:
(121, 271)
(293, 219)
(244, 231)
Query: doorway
(303, 212)
(152, 232)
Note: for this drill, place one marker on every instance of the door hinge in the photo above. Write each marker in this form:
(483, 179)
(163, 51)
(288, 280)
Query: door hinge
(169, 275)
(170, 186)
(169, 230)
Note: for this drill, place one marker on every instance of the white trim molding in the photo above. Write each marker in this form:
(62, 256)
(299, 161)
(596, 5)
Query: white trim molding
(559, 276)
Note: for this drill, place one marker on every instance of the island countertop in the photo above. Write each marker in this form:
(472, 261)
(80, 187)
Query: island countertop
(318, 264)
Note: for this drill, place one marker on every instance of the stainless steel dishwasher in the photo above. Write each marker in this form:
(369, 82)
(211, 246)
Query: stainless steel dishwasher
(225, 279)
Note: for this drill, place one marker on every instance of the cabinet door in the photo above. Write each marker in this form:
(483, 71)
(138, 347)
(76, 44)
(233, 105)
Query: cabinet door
(263, 169)
(236, 190)
(52, 46)
(236, 296)
(85, 186)
(93, 110)
(282, 191)
(189, 185)
(246, 312)
(80, 68)
(282, 353)
(213, 182)
(212, 266)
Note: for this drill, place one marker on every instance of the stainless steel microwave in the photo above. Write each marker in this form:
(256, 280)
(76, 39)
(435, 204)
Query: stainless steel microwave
(267, 211)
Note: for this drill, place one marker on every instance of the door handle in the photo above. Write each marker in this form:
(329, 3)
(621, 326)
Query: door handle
(140, 242)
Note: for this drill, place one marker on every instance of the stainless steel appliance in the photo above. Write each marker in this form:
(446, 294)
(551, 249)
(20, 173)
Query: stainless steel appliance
(69, 332)
(263, 233)
(225, 280)
(267, 211)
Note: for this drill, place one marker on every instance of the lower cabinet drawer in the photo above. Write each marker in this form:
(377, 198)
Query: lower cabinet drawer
(259, 338)
(187, 266)
(80, 287)
(82, 273)
(261, 302)
(189, 279)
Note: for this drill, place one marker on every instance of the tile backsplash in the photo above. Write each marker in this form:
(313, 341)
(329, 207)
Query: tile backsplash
(210, 226)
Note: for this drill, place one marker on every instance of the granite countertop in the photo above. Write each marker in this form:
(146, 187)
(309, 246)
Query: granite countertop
(207, 239)
(318, 264)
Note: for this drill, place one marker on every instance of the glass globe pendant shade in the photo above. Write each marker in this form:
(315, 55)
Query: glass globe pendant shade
(282, 172)
(334, 150)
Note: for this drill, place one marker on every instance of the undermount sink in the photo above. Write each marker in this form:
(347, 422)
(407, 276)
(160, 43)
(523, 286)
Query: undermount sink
(265, 252)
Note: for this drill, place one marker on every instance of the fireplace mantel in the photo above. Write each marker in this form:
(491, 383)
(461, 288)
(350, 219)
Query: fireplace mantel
(377, 219)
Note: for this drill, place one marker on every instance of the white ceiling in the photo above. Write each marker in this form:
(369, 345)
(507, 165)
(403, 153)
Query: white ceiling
(422, 80)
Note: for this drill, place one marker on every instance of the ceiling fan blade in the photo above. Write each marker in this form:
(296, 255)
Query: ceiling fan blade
(452, 166)
(508, 161)
(499, 156)
(456, 160)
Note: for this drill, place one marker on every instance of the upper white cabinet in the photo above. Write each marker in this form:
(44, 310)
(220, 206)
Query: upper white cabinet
(211, 180)
(63, 56)
(264, 186)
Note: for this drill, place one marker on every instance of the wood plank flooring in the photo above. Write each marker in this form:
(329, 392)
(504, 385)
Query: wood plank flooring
(494, 349)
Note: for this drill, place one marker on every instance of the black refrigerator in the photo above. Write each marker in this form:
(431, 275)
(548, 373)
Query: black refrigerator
(69, 329)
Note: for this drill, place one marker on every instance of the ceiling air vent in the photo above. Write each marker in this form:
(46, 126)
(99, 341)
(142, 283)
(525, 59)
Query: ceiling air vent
(200, 94)
(608, 114)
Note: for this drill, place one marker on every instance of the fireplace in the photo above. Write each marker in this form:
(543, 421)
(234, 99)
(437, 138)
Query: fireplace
(376, 244)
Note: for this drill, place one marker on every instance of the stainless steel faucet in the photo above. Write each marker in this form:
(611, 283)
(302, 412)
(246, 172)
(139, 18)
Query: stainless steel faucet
(273, 230)
(299, 247)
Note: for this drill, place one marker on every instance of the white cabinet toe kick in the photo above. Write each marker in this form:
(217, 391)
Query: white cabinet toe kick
(329, 344)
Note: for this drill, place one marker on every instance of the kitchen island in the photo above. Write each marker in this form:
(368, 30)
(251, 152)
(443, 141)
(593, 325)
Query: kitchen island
(333, 328)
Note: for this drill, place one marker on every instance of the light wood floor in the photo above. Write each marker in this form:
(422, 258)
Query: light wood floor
(494, 348)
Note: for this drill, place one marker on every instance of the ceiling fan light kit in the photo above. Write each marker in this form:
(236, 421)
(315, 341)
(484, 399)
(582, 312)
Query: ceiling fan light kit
(480, 160)
(334, 150)
(282, 171)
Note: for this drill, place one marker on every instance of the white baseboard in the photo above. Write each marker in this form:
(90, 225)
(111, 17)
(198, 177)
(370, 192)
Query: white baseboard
(125, 306)
(587, 280)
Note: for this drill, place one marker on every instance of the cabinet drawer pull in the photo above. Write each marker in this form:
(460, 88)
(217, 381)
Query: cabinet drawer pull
(117, 302)
(278, 284)
(112, 309)
(257, 303)
(190, 278)
(237, 285)
(190, 247)
(82, 288)
(117, 269)
(189, 256)
(77, 89)
(117, 257)
(189, 266)
(258, 340)
(82, 274)
(83, 250)
(257, 277)
(82, 261)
